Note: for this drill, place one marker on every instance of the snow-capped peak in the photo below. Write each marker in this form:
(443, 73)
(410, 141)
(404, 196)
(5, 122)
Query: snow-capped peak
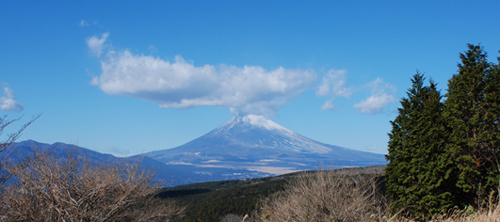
(255, 121)
(263, 122)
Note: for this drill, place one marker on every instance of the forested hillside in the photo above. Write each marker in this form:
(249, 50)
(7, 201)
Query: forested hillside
(211, 201)
(444, 151)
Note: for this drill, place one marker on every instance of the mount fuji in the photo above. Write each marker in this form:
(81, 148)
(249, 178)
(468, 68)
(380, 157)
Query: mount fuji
(243, 147)
(257, 144)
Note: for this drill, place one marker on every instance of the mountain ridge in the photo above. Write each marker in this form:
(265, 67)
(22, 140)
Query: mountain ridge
(241, 148)
(165, 175)
(256, 143)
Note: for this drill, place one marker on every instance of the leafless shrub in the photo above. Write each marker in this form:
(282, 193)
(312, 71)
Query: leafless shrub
(47, 188)
(4, 123)
(232, 218)
(325, 196)
(11, 138)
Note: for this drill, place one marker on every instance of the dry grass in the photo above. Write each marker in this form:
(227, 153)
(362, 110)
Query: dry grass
(232, 218)
(342, 196)
(490, 214)
(66, 189)
(325, 196)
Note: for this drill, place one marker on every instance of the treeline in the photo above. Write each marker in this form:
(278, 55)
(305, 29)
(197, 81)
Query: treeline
(213, 201)
(444, 149)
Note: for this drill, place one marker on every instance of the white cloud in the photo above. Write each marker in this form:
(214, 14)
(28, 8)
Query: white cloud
(333, 85)
(83, 23)
(8, 101)
(152, 49)
(381, 96)
(180, 84)
(375, 103)
(328, 105)
(96, 44)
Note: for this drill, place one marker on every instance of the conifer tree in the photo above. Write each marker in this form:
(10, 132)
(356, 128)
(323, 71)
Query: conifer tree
(492, 121)
(472, 111)
(418, 175)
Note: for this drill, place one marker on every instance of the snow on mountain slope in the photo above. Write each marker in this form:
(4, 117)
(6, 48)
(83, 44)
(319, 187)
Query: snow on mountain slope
(257, 121)
(256, 143)
(258, 131)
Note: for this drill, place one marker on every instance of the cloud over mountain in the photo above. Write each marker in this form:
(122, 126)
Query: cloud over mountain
(180, 84)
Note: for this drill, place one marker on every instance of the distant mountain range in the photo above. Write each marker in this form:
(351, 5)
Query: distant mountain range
(243, 147)
(167, 175)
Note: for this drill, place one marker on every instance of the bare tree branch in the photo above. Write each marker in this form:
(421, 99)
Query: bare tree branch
(48, 188)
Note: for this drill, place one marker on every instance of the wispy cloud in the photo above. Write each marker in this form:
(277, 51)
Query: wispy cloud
(83, 23)
(96, 44)
(181, 84)
(382, 95)
(8, 101)
(333, 85)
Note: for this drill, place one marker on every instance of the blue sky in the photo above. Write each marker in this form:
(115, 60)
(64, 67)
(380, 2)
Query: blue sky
(129, 77)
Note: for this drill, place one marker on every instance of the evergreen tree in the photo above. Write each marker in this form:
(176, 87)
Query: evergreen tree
(418, 174)
(472, 111)
(491, 134)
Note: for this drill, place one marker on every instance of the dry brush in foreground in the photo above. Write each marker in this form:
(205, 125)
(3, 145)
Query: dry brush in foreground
(47, 188)
(325, 196)
(337, 196)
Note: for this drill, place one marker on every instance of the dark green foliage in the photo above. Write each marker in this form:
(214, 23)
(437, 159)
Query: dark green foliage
(472, 111)
(447, 154)
(418, 175)
(211, 201)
